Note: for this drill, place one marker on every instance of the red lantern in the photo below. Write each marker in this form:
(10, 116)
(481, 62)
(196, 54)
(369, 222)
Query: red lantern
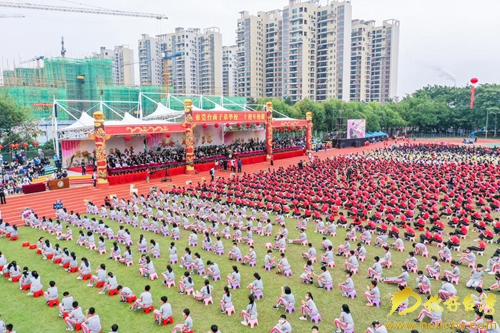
(25, 144)
(149, 136)
(204, 125)
(257, 123)
(281, 128)
(227, 125)
(474, 80)
(248, 124)
(216, 125)
(12, 146)
(238, 124)
(290, 128)
(1, 147)
(17, 145)
(167, 135)
(127, 137)
(35, 144)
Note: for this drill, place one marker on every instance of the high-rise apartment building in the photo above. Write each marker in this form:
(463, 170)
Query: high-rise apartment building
(361, 60)
(385, 58)
(198, 69)
(250, 41)
(374, 65)
(295, 53)
(229, 70)
(150, 61)
(123, 64)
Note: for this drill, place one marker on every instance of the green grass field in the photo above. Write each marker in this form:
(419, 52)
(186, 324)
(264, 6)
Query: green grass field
(32, 315)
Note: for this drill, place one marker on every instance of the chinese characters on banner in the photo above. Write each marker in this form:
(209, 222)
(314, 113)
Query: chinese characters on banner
(215, 116)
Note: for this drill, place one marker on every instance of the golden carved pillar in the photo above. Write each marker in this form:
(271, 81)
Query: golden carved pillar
(309, 131)
(269, 130)
(100, 137)
(189, 135)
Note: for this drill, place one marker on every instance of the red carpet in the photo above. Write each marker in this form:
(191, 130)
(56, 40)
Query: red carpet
(73, 197)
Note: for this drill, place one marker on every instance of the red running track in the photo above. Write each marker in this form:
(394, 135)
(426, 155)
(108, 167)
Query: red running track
(73, 198)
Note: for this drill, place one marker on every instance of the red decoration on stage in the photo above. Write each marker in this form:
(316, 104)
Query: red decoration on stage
(238, 124)
(248, 124)
(167, 135)
(204, 125)
(149, 136)
(25, 144)
(257, 123)
(473, 81)
(216, 125)
(290, 128)
(281, 128)
(127, 137)
(227, 125)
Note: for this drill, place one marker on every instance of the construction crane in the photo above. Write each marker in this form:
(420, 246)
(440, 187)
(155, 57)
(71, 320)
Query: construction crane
(11, 15)
(166, 58)
(81, 10)
(63, 49)
(36, 58)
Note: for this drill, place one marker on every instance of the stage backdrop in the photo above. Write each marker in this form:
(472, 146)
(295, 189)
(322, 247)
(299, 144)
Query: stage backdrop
(207, 136)
(356, 128)
(231, 137)
(76, 151)
(135, 144)
(160, 141)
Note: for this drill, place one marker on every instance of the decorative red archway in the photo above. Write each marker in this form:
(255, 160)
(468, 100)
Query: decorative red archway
(193, 118)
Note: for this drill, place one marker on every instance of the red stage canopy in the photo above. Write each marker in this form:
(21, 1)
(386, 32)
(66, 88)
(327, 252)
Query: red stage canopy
(200, 116)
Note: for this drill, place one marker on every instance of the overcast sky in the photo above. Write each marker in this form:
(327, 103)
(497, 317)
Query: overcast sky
(441, 42)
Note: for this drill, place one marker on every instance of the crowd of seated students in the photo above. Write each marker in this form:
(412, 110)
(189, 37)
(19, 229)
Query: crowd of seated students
(118, 159)
(239, 147)
(14, 174)
(288, 142)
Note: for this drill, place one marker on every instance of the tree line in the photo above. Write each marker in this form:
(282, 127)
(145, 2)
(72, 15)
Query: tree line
(432, 109)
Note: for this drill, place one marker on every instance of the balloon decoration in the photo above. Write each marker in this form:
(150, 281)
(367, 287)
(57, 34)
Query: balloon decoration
(290, 128)
(248, 124)
(25, 144)
(127, 137)
(35, 144)
(204, 125)
(216, 125)
(149, 136)
(473, 81)
(167, 135)
(238, 124)
(227, 125)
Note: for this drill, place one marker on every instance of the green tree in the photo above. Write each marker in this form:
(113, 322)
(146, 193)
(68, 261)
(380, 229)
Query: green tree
(11, 114)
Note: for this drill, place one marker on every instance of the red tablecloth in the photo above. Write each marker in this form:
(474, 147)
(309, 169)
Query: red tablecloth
(141, 176)
(32, 188)
(288, 154)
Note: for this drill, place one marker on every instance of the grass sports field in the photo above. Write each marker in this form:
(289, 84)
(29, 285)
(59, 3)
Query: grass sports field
(32, 315)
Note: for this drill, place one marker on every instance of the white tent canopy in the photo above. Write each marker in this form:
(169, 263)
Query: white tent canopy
(84, 122)
(218, 107)
(162, 112)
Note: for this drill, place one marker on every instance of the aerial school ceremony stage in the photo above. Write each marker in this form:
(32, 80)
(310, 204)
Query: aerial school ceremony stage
(183, 132)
